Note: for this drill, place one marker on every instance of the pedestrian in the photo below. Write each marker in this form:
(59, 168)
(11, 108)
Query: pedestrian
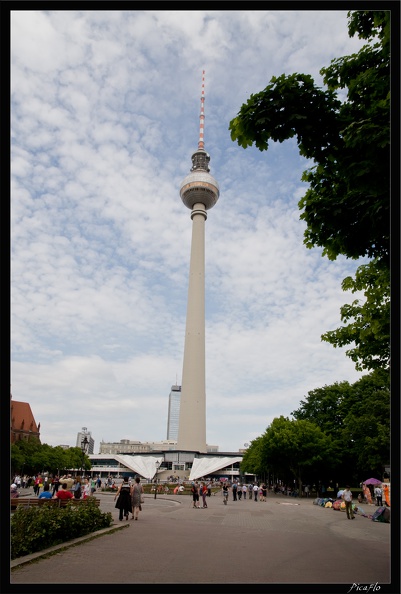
(99, 482)
(250, 491)
(64, 493)
(68, 480)
(264, 492)
(255, 491)
(36, 486)
(93, 485)
(56, 484)
(124, 499)
(195, 494)
(379, 495)
(204, 495)
(77, 488)
(86, 489)
(347, 498)
(234, 490)
(46, 494)
(225, 493)
(137, 498)
(209, 489)
(307, 491)
(239, 492)
(244, 490)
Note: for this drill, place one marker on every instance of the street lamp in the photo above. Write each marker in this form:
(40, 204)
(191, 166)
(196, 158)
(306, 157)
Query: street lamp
(157, 468)
(84, 449)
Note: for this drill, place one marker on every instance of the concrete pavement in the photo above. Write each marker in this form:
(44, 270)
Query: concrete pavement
(281, 541)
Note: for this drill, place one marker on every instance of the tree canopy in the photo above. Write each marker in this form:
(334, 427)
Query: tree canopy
(31, 457)
(346, 207)
(356, 417)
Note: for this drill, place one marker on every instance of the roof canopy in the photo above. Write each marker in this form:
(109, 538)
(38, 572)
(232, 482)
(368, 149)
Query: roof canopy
(205, 466)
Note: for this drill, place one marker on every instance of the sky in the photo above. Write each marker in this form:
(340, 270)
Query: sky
(105, 109)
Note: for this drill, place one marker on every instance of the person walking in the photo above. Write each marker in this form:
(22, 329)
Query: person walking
(225, 493)
(255, 491)
(195, 495)
(137, 498)
(264, 492)
(124, 501)
(347, 498)
(56, 484)
(239, 492)
(204, 495)
(87, 490)
(244, 490)
(250, 491)
(379, 495)
(234, 490)
(76, 488)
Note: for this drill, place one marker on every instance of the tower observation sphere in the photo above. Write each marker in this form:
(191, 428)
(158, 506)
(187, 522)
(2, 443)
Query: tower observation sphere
(199, 186)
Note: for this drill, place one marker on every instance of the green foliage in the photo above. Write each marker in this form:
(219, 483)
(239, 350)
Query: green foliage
(288, 446)
(356, 417)
(37, 528)
(31, 457)
(347, 205)
(367, 324)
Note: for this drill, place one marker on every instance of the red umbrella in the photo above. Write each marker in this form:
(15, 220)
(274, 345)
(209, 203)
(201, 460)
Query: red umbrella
(372, 481)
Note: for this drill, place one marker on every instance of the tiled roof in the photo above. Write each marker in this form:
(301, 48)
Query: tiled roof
(22, 418)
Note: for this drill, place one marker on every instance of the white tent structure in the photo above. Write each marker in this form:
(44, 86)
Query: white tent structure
(205, 466)
(143, 465)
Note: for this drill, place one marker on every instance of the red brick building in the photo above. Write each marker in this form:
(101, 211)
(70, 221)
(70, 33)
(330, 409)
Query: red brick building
(23, 424)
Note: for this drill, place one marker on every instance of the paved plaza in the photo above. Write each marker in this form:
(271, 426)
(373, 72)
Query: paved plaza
(280, 541)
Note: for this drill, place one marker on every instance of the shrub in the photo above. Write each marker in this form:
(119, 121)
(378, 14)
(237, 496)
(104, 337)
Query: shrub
(36, 528)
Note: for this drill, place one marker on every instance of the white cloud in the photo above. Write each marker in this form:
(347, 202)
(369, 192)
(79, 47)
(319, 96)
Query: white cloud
(105, 116)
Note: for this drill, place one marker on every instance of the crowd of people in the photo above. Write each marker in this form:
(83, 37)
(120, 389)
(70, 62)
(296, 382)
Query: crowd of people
(51, 487)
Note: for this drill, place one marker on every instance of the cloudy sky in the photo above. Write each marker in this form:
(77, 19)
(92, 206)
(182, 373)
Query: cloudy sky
(104, 119)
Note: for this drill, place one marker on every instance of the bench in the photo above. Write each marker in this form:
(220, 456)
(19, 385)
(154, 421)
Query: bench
(36, 502)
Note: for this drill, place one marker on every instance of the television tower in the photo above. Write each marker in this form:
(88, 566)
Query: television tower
(199, 191)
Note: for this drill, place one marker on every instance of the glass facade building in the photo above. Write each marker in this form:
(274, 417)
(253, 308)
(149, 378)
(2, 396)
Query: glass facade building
(173, 418)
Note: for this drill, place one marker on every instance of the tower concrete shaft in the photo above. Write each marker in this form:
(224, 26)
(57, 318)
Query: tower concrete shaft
(192, 426)
(199, 191)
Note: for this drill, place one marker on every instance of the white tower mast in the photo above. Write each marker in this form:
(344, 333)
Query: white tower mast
(199, 191)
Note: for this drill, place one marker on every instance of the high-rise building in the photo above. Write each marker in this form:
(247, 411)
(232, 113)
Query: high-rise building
(173, 418)
(199, 191)
(80, 437)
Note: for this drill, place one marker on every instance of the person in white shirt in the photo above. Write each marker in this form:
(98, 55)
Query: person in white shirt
(379, 496)
(255, 492)
(347, 498)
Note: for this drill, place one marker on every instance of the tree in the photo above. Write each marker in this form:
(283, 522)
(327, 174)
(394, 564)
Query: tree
(347, 205)
(356, 418)
(289, 448)
(367, 324)
(32, 457)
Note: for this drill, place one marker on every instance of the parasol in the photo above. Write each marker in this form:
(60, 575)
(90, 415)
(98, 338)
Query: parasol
(372, 481)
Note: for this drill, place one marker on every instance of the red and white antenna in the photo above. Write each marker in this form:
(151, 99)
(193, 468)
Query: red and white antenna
(201, 144)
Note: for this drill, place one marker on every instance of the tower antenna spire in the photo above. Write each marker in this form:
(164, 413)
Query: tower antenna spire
(201, 144)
